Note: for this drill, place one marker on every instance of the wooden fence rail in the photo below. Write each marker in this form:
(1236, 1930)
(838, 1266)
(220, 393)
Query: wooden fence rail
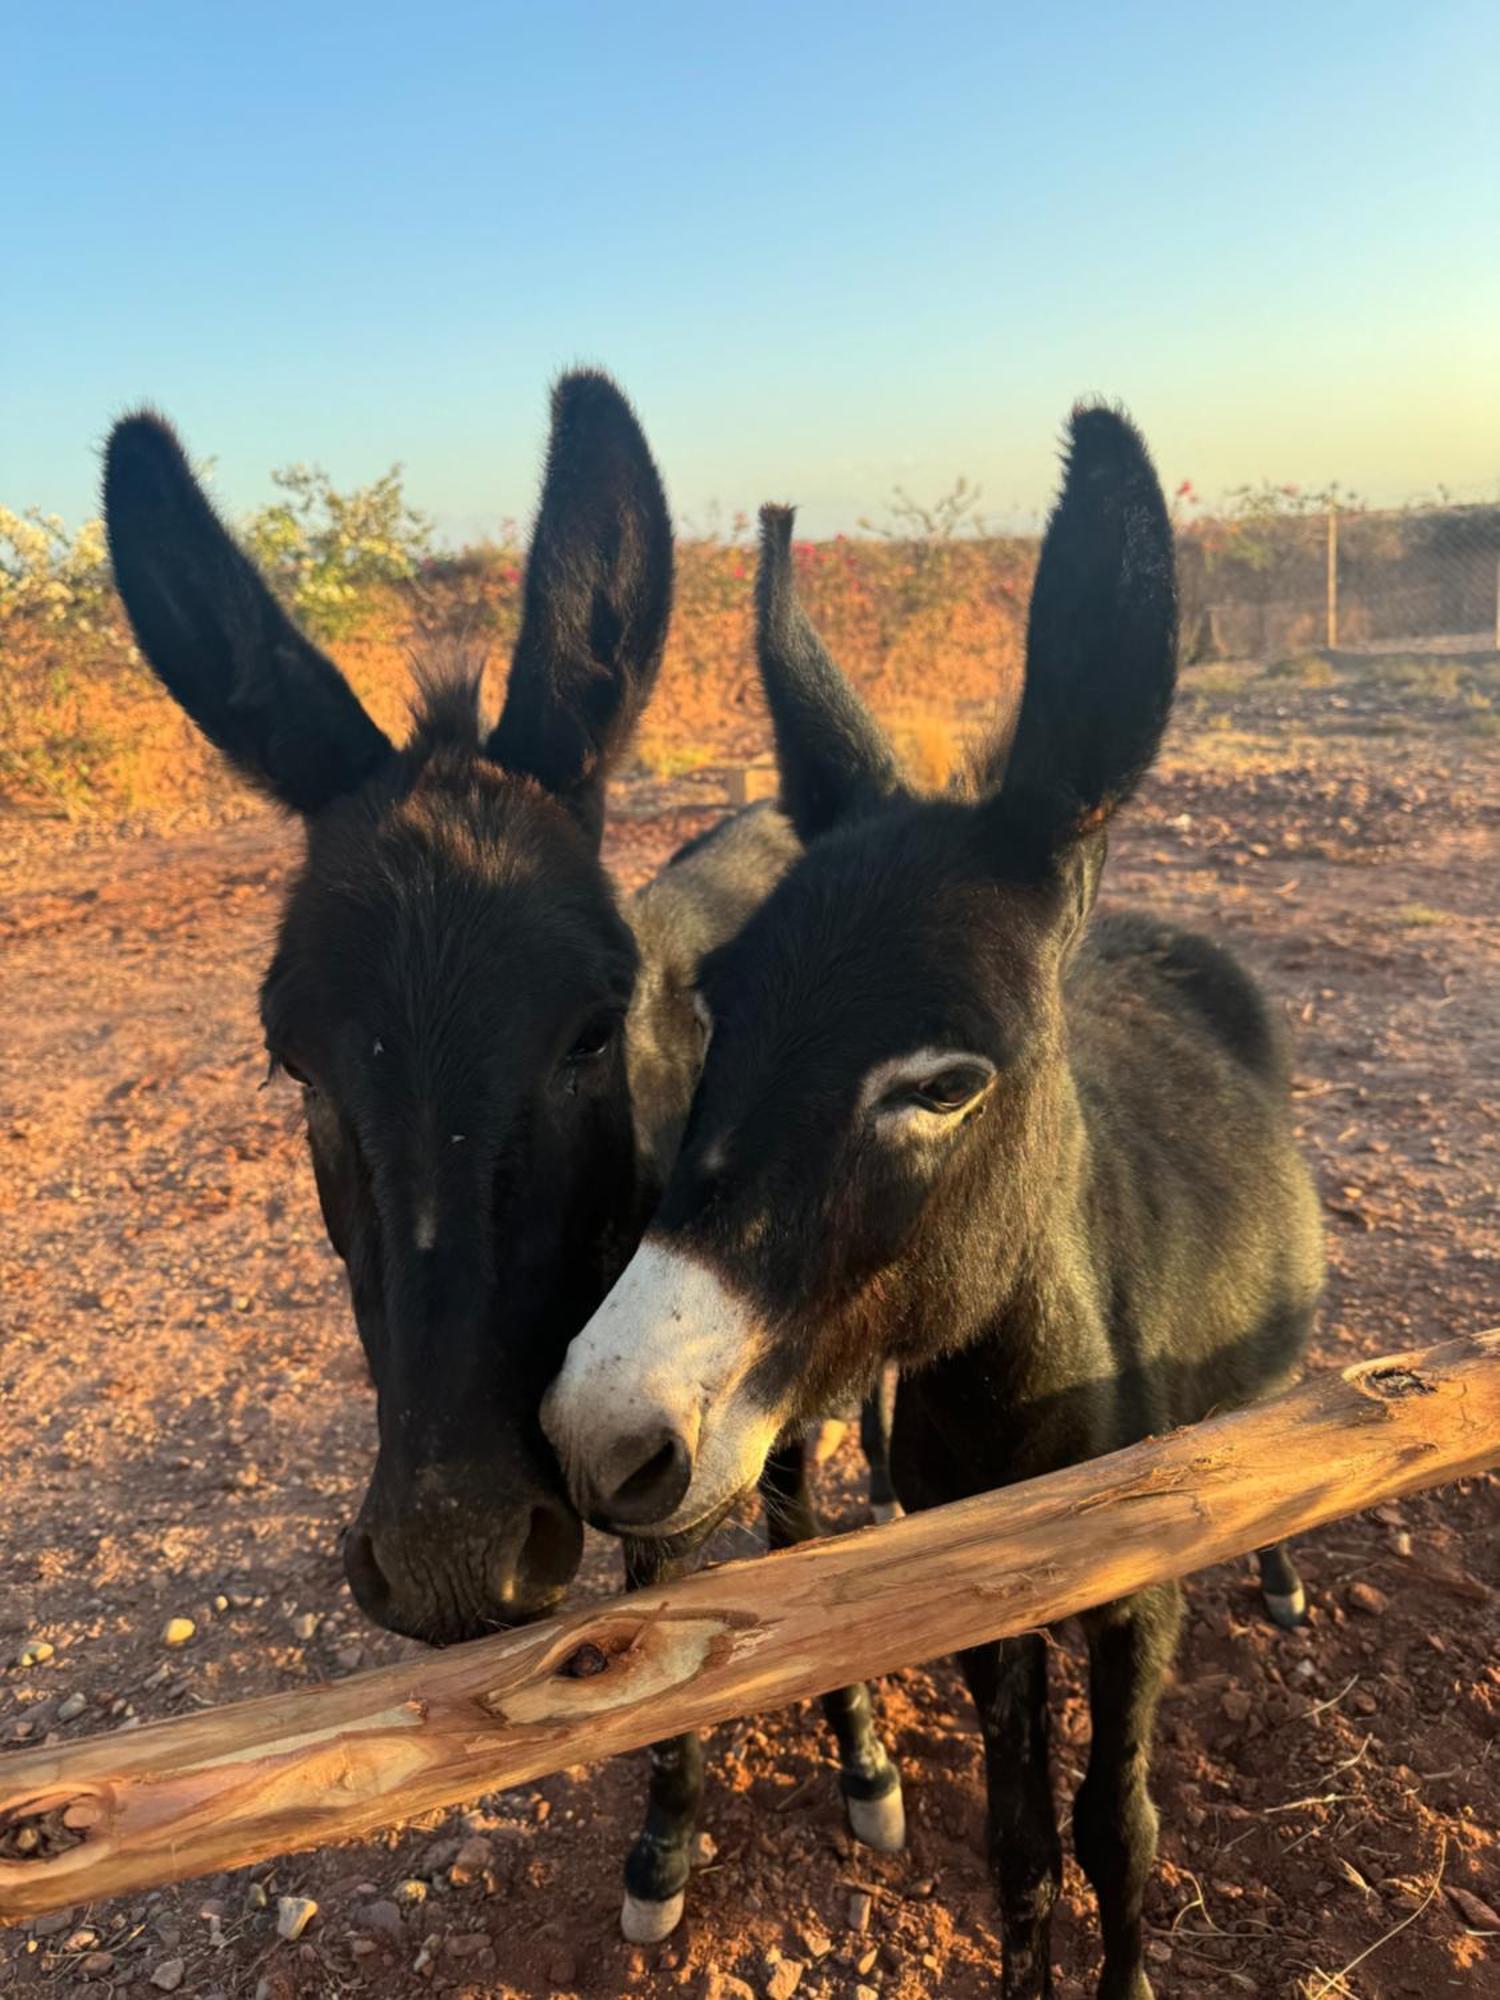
(121, 1813)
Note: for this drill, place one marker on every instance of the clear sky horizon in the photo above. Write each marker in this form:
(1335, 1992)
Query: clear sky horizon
(826, 249)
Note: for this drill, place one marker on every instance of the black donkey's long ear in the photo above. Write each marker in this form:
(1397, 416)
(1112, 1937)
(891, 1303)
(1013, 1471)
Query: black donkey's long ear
(217, 639)
(1101, 642)
(834, 761)
(597, 603)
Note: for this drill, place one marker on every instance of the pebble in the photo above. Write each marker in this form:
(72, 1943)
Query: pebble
(861, 1904)
(473, 1857)
(362, 1947)
(168, 1975)
(412, 1891)
(705, 1849)
(293, 1915)
(1236, 1704)
(177, 1631)
(467, 1943)
(36, 1653)
(562, 1968)
(725, 1986)
(71, 1707)
(256, 1897)
(1366, 1598)
(349, 1658)
(865, 1963)
(383, 1917)
(305, 1625)
(815, 1940)
(98, 1965)
(785, 1979)
(51, 1924)
(865, 1993)
(80, 1940)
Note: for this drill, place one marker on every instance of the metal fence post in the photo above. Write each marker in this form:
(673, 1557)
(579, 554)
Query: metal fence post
(1333, 578)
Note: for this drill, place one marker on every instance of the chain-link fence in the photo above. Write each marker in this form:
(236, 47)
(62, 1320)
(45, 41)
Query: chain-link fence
(1266, 583)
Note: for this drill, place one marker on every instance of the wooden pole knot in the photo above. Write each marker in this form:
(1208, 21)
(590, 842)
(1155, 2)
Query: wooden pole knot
(1395, 1382)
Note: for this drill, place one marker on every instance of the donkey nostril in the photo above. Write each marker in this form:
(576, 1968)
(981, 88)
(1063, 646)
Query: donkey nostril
(366, 1579)
(651, 1474)
(548, 1555)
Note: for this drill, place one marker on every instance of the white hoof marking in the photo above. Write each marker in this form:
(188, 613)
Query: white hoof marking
(879, 1823)
(887, 1510)
(649, 1923)
(1289, 1608)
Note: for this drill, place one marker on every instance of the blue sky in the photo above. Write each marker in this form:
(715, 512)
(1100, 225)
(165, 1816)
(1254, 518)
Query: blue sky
(827, 248)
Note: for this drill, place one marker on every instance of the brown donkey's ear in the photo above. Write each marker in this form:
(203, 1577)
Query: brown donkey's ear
(833, 759)
(1101, 641)
(598, 598)
(217, 639)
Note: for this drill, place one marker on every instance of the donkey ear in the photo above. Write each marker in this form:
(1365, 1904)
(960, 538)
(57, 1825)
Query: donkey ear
(1101, 643)
(833, 760)
(217, 639)
(598, 599)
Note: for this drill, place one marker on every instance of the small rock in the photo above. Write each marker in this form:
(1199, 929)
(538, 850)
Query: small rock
(1475, 1912)
(71, 1707)
(562, 1967)
(81, 1939)
(177, 1631)
(1236, 1704)
(861, 1905)
(474, 1855)
(785, 1979)
(1366, 1598)
(384, 1918)
(541, 1810)
(349, 1658)
(865, 1993)
(98, 1965)
(305, 1625)
(51, 1924)
(724, 1986)
(816, 1940)
(293, 1915)
(36, 1653)
(362, 1947)
(412, 1891)
(256, 1897)
(865, 1963)
(1160, 1951)
(168, 1975)
(466, 1944)
(705, 1850)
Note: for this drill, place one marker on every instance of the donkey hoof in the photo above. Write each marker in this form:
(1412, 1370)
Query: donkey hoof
(649, 1923)
(879, 1823)
(886, 1510)
(1288, 1609)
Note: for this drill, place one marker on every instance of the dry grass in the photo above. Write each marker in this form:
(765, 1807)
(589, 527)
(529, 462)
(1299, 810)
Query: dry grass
(929, 632)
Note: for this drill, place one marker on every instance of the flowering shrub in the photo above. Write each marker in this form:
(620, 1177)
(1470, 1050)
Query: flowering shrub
(326, 552)
(48, 574)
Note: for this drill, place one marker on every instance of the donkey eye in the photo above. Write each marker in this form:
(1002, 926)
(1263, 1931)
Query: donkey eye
(283, 1066)
(949, 1090)
(593, 1040)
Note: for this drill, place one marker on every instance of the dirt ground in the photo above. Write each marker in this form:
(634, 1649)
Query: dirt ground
(185, 1428)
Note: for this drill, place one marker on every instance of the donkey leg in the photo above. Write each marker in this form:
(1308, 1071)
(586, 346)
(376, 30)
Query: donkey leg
(870, 1782)
(876, 1416)
(1114, 1822)
(656, 1871)
(1281, 1586)
(1008, 1680)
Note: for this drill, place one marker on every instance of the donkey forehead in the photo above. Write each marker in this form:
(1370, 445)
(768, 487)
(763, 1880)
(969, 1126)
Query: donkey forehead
(887, 939)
